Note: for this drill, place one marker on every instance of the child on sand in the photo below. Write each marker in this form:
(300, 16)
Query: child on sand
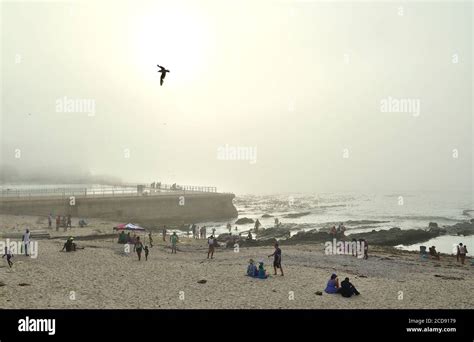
(151, 240)
(262, 274)
(277, 259)
(9, 257)
(146, 252)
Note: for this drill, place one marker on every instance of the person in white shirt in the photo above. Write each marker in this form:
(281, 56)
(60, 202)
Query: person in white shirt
(211, 243)
(26, 241)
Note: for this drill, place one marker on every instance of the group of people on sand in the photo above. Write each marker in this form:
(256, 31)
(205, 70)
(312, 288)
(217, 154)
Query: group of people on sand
(461, 251)
(259, 271)
(61, 221)
(338, 232)
(345, 288)
(198, 232)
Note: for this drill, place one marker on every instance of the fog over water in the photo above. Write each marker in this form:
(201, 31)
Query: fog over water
(262, 96)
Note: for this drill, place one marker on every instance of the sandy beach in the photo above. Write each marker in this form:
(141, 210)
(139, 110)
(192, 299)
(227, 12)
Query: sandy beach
(102, 275)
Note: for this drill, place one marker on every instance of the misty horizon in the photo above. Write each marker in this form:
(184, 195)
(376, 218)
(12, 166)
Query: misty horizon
(303, 97)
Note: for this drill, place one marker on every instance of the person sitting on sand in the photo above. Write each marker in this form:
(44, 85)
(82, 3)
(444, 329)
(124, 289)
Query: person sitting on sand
(69, 245)
(174, 240)
(9, 257)
(82, 223)
(332, 285)
(347, 289)
(211, 243)
(277, 259)
(251, 268)
(146, 252)
(262, 274)
(433, 252)
(138, 248)
(249, 236)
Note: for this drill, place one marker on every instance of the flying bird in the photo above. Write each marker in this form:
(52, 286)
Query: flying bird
(163, 73)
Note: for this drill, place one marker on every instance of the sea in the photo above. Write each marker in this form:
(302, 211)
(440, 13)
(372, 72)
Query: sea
(360, 212)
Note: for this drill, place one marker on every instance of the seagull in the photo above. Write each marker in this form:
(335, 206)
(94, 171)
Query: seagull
(163, 73)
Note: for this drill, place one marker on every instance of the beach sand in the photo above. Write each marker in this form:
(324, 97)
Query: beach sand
(103, 276)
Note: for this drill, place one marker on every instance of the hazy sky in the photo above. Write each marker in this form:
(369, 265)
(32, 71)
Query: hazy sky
(300, 83)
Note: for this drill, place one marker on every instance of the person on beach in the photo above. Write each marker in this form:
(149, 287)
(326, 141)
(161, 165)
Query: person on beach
(262, 273)
(277, 259)
(257, 225)
(277, 222)
(434, 254)
(58, 222)
(252, 270)
(341, 229)
(9, 257)
(249, 236)
(138, 248)
(333, 232)
(462, 250)
(174, 241)
(332, 285)
(69, 222)
(347, 289)
(50, 220)
(236, 229)
(26, 241)
(211, 243)
(69, 245)
(229, 228)
(150, 239)
(147, 251)
(164, 233)
(214, 231)
(366, 248)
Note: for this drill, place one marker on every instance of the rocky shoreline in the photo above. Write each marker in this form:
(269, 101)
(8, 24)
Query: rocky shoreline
(391, 237)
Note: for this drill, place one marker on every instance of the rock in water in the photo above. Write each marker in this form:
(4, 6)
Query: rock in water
(319, 293)
(202, 281)
(244, 220)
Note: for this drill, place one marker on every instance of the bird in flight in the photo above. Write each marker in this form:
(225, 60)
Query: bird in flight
(163, 73)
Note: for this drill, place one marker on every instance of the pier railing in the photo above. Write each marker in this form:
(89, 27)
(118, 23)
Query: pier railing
(105, 191)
